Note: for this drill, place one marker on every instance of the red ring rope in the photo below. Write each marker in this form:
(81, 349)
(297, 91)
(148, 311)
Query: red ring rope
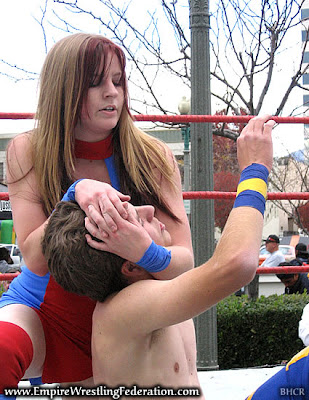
(8, 276)
(282, 270)
(178, 119)
(222, 195)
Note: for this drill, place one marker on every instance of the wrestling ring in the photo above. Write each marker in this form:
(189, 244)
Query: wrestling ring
(190, 195)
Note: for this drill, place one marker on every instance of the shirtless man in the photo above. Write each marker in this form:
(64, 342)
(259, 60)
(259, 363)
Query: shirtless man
(143, 334)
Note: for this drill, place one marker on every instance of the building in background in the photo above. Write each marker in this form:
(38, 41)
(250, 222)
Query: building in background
(276, 220)
(4, 140)
(305, 38)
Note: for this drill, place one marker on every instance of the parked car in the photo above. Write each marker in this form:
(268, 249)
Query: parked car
(15, 252)
(286, 250)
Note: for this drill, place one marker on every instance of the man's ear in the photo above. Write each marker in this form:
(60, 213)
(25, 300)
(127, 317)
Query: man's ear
(130, 269)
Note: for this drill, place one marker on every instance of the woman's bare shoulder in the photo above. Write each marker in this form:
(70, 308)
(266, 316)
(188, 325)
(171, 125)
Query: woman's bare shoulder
(19, 154)
(23, 140)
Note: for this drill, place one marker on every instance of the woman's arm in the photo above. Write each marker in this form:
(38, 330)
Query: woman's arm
(28, 215)
(27, 209)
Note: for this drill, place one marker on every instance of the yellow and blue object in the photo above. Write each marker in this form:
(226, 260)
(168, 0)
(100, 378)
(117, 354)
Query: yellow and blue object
(290, 383)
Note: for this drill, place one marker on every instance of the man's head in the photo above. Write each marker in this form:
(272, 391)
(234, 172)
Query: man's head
(83, 270)
(5, 255)
(155, 228)
(301, 250)
(272, 243)
(287, 279)
(300, 247)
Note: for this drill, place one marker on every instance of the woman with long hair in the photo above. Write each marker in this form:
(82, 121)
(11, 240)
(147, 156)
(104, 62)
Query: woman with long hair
(84, 142)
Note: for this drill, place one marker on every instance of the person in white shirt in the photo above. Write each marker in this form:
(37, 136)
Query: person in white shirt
(276, 257)
(303, 327)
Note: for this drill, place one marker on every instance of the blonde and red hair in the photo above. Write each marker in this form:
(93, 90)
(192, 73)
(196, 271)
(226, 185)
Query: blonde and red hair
(68, 72)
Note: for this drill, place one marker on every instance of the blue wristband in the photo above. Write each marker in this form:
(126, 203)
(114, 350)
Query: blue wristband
(250, 198)
(155, 259)
(252, 187)
(70, 193)
(255, 171)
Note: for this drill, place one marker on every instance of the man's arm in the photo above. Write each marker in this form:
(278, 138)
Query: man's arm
(157, 304)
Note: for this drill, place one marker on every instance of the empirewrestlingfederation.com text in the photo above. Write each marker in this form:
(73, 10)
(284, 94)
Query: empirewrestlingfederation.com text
(103, 391)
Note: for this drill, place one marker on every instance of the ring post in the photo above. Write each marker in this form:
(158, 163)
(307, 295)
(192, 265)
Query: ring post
(202, 213)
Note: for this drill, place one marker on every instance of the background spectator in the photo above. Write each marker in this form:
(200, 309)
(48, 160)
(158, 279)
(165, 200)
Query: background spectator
(6, 262)
(301, 253)
(276, 257)
(294, 283)
(6, 266)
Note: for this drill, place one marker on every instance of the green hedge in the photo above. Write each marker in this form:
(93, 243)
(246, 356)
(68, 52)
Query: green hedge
(2, 288)
(260, 332)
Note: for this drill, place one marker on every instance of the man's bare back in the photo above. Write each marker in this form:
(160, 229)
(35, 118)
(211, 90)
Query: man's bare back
(123, 355)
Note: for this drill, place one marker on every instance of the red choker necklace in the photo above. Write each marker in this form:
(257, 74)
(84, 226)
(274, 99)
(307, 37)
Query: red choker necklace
(94, 150)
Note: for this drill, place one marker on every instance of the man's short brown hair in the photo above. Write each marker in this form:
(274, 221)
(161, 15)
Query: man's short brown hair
(74, 265)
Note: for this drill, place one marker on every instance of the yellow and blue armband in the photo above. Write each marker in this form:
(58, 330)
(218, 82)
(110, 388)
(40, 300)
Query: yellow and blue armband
(252, 187)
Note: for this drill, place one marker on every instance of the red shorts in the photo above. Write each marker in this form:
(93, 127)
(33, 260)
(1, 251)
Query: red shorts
(67, 324)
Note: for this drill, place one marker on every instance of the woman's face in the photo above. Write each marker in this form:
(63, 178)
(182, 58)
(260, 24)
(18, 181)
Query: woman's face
(103, 104)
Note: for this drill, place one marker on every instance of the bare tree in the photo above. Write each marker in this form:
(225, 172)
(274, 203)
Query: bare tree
(144, 37)
(249, 42)
(290, 174)
(255, 37)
